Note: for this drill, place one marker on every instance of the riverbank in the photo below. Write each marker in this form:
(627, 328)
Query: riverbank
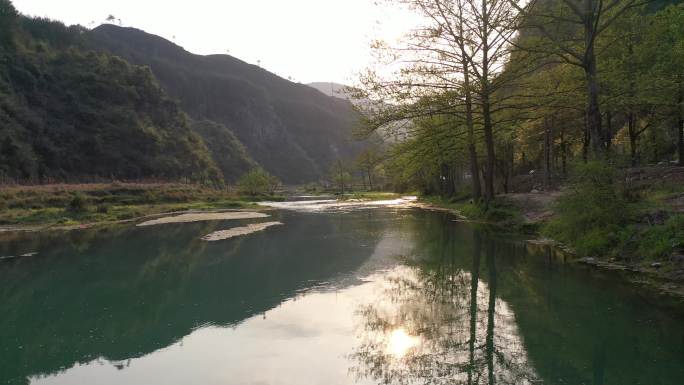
(69, 206)
(78, 206)
(531, 213)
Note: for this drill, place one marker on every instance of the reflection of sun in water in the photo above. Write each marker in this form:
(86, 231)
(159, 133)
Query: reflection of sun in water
(400, 343)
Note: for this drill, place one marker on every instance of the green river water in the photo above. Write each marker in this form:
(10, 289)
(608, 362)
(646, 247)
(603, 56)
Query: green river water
(360, 296)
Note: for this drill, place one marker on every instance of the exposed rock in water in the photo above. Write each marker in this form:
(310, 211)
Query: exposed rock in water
(200, 217)
(239, 231)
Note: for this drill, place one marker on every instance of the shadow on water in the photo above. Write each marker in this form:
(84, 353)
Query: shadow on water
(121, 293)
(490, 310)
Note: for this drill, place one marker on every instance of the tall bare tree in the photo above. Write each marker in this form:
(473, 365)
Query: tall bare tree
(460, 51)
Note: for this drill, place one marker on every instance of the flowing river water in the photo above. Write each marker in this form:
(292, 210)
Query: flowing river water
(337, 294)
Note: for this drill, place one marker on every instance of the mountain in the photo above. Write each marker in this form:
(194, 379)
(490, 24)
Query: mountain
(229, 154)
(332, 89)
(290, 129)
(394, 132)
(71, 115)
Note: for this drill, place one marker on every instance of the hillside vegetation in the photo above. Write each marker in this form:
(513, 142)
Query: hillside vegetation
(69, 114)
(292, 130)
(117, 103)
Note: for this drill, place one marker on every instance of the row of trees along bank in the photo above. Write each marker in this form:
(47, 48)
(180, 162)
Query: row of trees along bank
(487, 89)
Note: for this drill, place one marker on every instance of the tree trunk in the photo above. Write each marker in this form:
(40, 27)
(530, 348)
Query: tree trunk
(552, 146)
(680, 121)
(370, 179)
(590, 71)
(594, 117)
(472, 150)
(609, 133)
(486, 107)
(585, 140)
(564, 156)
(631, 128)
(631, 116)
(489, 142)
(547, 154)
(654, 143)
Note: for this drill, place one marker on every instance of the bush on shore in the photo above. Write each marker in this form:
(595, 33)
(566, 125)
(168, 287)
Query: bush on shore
(258, 182)
(593, 211)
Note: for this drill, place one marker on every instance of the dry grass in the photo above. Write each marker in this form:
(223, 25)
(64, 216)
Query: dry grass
(69, 204)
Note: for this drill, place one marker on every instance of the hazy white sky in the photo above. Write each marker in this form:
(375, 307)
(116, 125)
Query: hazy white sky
(308, 40)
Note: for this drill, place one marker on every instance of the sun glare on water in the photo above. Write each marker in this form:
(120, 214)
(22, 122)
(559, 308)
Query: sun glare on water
(401, 343)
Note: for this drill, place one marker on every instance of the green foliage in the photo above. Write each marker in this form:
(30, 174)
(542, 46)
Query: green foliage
(659, 241)
(69, 114)
(433, 160)
(368, 164)
(227, 151)
(258, 182)
(78, 204)
(592, 210)
(341, 177)
(500, 212)
(8, 17)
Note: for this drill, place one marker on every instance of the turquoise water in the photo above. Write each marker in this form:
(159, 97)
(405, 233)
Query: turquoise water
(375, 296)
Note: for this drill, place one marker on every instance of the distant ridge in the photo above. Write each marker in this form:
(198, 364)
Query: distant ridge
(336, 90)
(290, 129)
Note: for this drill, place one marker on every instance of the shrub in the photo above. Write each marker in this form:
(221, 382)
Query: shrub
(592, 211)
(660, 241)
(78, 204)
(258, 182)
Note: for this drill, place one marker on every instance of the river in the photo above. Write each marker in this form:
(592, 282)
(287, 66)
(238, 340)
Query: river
(351, 295)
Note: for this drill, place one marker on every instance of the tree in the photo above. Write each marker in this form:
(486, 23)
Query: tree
(340, 176)
(452, 67)
(493, 24)
(664, 46)
(366, 162)
(570, 30)
(8, 17)
(258, 182)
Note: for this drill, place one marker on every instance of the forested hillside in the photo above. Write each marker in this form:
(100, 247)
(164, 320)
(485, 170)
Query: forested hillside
(292, 130)
(79, 105)
(230, 155)
(67, 114)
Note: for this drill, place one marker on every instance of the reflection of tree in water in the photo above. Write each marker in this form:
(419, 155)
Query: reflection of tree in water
(458, 331)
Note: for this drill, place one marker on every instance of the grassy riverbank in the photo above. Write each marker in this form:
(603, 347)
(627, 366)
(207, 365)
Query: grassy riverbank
(71, 205)
(637, 230)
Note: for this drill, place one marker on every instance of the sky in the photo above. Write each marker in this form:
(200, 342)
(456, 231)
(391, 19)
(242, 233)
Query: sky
(305, 40)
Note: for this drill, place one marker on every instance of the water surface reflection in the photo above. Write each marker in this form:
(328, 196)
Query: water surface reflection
(450, 327)
(386, 296)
